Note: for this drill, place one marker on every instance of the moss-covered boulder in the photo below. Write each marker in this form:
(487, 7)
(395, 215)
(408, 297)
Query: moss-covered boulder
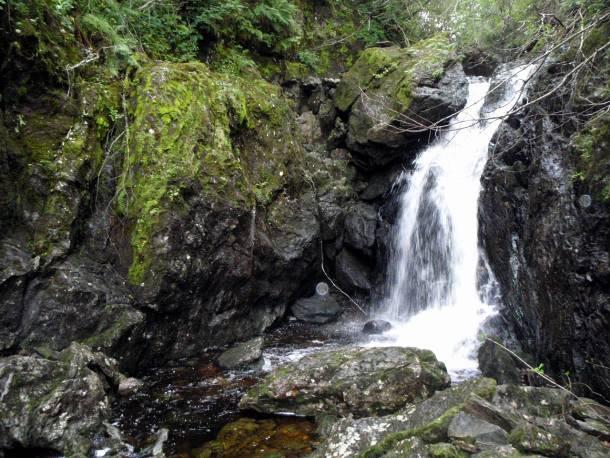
(393, 97)
(355, 382)
(59, 403)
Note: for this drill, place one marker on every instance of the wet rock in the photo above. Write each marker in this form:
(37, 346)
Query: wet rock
(129, 386)
(317, 309)
(497, 363)
(376, 327)
(360, 226)
(352, 273)
(59, 403)
(547, 252)
(242, 354)
(471, 429)
(356, 382)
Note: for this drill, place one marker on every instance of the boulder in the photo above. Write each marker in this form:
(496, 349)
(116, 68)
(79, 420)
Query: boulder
(317, 309)
(58, 403)
(356, 382)
(242, 354)
(129, 386)
(376, 327)
(387, 87)
(352, 273)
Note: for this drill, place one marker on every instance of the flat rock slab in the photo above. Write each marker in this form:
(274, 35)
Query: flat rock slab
(242, 354)
(358, 382)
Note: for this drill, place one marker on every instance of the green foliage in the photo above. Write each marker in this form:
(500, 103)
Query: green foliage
(266, 26)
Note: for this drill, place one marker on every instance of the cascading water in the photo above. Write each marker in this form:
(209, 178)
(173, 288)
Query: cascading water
(432, 296)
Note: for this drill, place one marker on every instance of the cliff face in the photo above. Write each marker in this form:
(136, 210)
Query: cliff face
(544, 224)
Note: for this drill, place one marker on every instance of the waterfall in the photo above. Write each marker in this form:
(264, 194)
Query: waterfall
(432, 295)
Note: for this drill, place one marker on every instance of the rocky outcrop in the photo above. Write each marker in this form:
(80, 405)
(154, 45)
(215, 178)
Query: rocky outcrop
(549, 251)
(392, 95)
(475, 418)
(356, 382)
(58, 403)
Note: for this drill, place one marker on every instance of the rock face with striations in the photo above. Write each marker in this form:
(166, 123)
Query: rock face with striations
(550, 254)
(358, 382)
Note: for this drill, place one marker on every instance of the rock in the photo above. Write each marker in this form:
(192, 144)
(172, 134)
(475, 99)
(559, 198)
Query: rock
(502, 451)
(242, 354)
(356, 382)
(376, 327)
(528, 438)
(548, 253)
(352, 274)
(317, 309)
(129, 386)
(385, 86)
(360, 226)
(497, 363)
(310, 128)
(591, 417)
(471, 429)
(59, 403)
(429, 419)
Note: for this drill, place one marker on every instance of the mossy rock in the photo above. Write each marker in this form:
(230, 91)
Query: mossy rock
(593, 162)
(231, 137)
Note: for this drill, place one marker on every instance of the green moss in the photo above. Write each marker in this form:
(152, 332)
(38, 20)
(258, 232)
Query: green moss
(593, 164)
(444, 450)
(234, 135)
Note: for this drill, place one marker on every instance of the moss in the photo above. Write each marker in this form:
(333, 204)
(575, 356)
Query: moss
(434, 431)
(444, 450)
(232, 134)
(593, 162)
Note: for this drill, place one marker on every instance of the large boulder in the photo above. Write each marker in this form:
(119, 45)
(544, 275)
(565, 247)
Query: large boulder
(356, 382)
(392, 95)
(59, 403)
(353, 273)
(317, 309)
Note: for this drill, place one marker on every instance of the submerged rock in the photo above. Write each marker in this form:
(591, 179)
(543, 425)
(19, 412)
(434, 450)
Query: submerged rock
(356, 382)
(242, 354)
(317, 309)
(60, 403)
(376, 327)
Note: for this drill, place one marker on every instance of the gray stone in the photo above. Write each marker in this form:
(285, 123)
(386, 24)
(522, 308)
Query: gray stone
(472, 429)
(316, 309)
(242, 354)
(352, 273)
(497, 363)
(57, 403)
(376, 327)
(356, 382)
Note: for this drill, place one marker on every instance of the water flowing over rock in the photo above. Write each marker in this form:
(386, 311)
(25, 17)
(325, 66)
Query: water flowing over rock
(433, 265)
(356, 382)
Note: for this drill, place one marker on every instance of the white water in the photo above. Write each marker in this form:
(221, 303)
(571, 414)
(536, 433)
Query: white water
(432, 296)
